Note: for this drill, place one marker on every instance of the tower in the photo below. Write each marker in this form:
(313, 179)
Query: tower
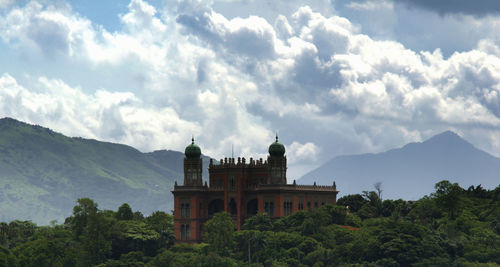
(277, 163)
(192, 165)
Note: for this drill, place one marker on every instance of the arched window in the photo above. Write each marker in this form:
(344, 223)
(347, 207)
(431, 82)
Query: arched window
(232, 207)
(183, 231)
(287, 208)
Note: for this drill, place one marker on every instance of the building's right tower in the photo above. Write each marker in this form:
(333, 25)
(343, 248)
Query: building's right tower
(277, 163)
(193, 165)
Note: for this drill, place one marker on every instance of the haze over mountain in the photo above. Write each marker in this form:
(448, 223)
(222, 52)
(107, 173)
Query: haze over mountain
(410, 172)
(43, 173)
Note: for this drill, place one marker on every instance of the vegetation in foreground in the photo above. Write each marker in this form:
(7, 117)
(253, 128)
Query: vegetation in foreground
(452, 227)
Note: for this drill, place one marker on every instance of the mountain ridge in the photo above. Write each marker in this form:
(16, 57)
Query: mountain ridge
(410, 171)
(43, 173)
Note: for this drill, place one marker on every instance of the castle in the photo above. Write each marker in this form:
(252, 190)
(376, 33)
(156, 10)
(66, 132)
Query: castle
(240, 188)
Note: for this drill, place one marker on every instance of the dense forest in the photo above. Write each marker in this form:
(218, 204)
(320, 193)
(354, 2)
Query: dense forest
(451, 227)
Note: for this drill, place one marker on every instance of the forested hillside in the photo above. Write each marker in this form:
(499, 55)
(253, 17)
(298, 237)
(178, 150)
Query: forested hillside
(451, 227)
(42, 173)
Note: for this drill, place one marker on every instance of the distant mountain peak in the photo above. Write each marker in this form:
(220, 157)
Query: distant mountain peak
(447, 138)
(447, 134)
(411, 171)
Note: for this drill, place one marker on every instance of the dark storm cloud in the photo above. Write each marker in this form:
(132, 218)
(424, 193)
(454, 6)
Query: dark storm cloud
(468, 7)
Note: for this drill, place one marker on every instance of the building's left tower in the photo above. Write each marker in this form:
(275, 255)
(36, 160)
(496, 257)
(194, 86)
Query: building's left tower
(192, 165)
(188, 198)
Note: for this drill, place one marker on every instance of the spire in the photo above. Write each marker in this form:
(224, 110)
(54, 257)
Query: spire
(192, 139)
(276, 136)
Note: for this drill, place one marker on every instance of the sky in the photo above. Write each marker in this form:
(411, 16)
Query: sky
(330, 77)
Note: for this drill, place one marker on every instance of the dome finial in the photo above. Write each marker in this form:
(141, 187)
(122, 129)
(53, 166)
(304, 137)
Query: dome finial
(276, 148)
(192, 150)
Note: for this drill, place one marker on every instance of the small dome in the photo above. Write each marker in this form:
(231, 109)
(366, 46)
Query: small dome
(277, 148)
(193, 150)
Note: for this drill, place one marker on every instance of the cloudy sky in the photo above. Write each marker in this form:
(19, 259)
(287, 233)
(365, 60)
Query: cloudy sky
(331, 77)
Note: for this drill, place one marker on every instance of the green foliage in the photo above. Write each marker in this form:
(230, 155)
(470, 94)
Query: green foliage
(16, 233)
(260, 222)
(219, 233)
(163, 224)
(124, 212)
(373, 207)
(7, 259)
(355, 202)
(132, 236)
(448, 196)
(428, 232)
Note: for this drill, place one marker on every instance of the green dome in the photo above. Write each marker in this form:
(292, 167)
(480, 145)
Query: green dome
(277, 148)
(193, 150)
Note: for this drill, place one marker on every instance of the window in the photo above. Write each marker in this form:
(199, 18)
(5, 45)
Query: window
(315, 204)
(185, 232)
(269, 208)
(287, 208)
(308, 204)
(301, 204)
(232, 182)
(185, 210)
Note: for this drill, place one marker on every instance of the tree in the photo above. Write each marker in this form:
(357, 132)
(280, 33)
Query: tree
(17, 232)
(448, 196)
(92, 228)
(84, 208)
(219, 232)
(355, 202)
(124, 212)
(163, 224)
(261, 222)
(130, 235)
(96, 240)
(7, 258)
(378, 188)
(373, 208)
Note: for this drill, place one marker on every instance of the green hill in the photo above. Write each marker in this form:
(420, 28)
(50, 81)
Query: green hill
(42, 173)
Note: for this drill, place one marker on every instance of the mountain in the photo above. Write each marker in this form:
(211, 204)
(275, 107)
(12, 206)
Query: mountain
(43, 173)
(410, 172)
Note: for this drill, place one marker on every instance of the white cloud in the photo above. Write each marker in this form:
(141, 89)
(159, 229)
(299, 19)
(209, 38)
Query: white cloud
(6, 3)
(370, 5)
(301, 153)
(116, 117)
(325, 86)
